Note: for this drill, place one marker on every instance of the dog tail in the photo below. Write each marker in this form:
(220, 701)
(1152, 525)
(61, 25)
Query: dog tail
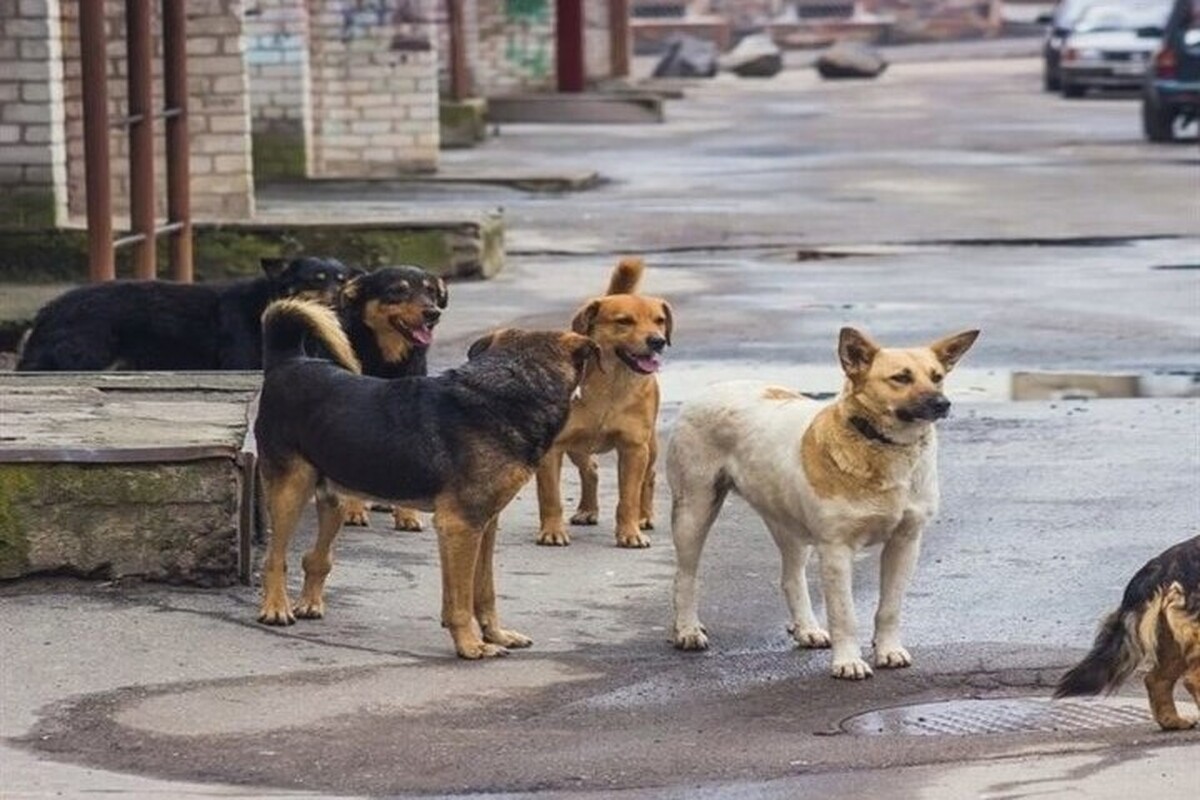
(1127, 637)
(289, 324)
(626, 276)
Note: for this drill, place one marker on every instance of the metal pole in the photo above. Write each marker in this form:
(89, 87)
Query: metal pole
(460, 75)
(619, 34)
(175, 96)
(569, 45)
(139, 47)
(94, 68)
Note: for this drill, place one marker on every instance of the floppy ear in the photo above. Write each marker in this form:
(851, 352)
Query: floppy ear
(351, 288)
(273, 267)
(585, 318)
(481, 344)
(856, 351)
(666, 307)
(950, 349)
(584, 350)
(441, 293)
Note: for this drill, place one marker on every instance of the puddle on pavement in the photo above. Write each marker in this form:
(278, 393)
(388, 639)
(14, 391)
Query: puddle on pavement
(1012, 715)
(685, 380)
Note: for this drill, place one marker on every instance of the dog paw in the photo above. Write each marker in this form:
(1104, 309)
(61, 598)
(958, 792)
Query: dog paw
(813, 638)
(506, 638)
(691, 637)
(406, 519)
(309, 609)
(585, 518)
(851, 669)
(892, 658)
(357, 516)
(554, 537)
(473, 651)
(274, 615)
(646, 524)
(1176, 723)
(634, 540)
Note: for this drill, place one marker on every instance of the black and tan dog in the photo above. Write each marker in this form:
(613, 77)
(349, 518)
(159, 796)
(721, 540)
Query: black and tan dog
(617, 410)
(160, 325)
(390, 315)
(460, 444)
(1158, 622)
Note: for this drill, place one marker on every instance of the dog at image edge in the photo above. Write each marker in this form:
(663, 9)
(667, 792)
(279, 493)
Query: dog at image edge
(1157, 623)
(835, 477)
(460, 444)
(617, 410)
(390, 315)
(162, 325)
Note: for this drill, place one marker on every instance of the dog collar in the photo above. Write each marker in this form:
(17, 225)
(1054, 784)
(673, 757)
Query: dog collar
(864, 426)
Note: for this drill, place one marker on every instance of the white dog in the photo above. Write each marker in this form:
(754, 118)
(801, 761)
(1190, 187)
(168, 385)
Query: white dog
(839, 477)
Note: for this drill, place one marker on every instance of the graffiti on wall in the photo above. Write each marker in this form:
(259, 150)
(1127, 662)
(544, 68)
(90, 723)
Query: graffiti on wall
(527, 46)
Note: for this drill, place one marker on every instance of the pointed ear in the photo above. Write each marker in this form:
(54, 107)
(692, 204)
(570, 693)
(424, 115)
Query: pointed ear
(441, 293)
(480, 345)
(273, 267)
(856, 351)
(585, 319)
(666, 307)
(950, 349)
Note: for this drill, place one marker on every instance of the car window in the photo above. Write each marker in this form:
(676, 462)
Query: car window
(1121, 18)
(1068, 11)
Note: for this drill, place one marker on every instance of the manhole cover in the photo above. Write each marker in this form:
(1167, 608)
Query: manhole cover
(1015, 715)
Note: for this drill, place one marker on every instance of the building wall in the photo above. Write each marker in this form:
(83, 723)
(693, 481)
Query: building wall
(373, 70)
(32, 145)
(516, 46)
(277, 65)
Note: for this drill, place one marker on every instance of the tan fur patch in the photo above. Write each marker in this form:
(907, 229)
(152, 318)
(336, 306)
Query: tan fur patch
(780, 393)
(393, 344)
(840, 463)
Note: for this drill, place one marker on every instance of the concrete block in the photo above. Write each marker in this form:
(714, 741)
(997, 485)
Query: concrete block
(587, 108)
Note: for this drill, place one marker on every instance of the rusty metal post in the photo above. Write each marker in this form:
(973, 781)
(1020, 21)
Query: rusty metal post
(460, 72)
(569, 43)
(175, 97)
(139, 48)
(93, 51)
(619, 32)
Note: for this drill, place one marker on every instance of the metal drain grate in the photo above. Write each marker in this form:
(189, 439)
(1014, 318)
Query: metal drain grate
(1016, 715)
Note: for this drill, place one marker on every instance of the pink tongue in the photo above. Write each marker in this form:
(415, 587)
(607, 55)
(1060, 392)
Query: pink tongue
(647, 363)
(423, 335)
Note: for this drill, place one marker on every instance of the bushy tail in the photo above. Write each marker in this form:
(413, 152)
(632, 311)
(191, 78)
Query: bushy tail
(289, 324)
(1114, 656)
(626, 276)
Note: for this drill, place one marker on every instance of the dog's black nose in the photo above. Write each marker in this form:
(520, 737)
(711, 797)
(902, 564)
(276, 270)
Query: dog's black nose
(431, 315)
(939, 405)
(656, 342)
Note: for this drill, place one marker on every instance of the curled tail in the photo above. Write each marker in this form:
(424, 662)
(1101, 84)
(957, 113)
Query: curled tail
(626, 276)
(288, 324)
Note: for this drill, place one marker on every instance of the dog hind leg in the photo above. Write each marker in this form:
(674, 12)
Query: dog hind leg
(804, 627)
(286, 490)
(646, 518)
(459, 544)
(694, 509)
(319, 561)
(588, 511)
(406, 519)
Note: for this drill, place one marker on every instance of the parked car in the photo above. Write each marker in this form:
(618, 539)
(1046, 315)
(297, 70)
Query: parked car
(1172, 89)
(1059, 24)
(1110, 46)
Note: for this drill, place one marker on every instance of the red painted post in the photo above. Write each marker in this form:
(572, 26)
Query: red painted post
(568, 37)
(139, 46)
(175, 97)
(93, 50)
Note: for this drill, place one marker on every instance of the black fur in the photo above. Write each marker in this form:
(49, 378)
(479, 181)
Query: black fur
(407, 439)
(1114, 655)
(160, 325)
(396, 284)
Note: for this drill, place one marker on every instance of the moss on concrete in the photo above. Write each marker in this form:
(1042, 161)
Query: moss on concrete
(27, 208)
(463, 123)
(278, 156)
(15, 486)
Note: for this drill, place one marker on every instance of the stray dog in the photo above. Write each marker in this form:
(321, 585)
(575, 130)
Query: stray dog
(1158, 622)
(389, 315)
(839, 477)
(460, 444)
(160, 325)
(617, 409)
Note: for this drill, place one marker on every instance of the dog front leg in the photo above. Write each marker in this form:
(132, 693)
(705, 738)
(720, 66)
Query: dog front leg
(632, 461)
(896, 566)
(837, 569)
(459, 546)
(485, 595)
(550, 510)
(588, 512)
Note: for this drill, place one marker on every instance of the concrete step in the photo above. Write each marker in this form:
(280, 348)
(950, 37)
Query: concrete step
(582, 108)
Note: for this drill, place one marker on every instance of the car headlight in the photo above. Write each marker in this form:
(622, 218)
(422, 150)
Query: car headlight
(1081, 54)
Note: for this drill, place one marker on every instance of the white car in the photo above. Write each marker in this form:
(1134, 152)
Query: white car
(1110, 46)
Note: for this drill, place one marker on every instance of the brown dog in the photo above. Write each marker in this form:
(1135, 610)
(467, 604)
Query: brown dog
(1158, 622)
(617, 409)
(460, 444)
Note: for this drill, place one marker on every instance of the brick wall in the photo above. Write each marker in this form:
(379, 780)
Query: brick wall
(597, 53)
(277, 64)
(32, 151)
(219, 120)
(516, 46)
(373, 68)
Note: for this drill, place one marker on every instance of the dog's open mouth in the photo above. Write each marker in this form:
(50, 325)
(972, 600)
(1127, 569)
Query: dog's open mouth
(421, 335)
(646, 364)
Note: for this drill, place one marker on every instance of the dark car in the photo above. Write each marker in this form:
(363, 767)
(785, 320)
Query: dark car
(1060, 22)
(1171, 92)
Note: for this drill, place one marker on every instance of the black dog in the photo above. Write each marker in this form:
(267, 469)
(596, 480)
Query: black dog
(159, 325)
(460, 444)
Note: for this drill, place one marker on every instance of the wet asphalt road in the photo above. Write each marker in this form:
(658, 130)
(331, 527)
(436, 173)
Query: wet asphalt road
(1044, 223)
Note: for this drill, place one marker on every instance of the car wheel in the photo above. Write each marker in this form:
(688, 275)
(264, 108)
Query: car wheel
(1158, 122)
(1072, 90)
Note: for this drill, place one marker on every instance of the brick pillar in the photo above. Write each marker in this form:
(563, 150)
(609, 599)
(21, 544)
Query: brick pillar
(373, 69)
(277, 62)
(33, 182)
(516, 46)
(218, 107)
